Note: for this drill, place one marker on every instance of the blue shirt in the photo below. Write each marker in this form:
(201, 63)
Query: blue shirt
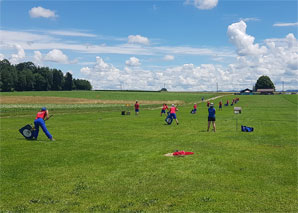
(211, 111)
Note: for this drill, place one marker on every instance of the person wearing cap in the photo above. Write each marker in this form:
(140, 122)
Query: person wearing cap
(137, 107)
(173, 110)
(40, 119)
(211, 117)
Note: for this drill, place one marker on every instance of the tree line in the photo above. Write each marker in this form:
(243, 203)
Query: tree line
(27, 77)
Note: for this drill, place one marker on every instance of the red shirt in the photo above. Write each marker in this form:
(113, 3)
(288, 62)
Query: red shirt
(41, 114)
(173, 110)
(195, 106)
(220, 103)
(164, 107)
(137, 106)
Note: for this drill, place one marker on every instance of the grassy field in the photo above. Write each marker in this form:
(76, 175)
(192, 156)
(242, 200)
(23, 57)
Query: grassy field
(104, 162)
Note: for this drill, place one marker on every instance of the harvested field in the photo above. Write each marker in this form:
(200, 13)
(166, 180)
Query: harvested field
(63, 100)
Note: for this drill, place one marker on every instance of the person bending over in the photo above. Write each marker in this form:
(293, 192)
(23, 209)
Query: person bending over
(39, 121)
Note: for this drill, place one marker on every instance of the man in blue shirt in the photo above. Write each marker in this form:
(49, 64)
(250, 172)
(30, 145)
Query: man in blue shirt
(211, 117)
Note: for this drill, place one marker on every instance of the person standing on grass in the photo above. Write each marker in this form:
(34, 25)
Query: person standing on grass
(211, 117)
(137, 108)
(164, 108)
(220, 105)
(195, 108)
(208, 103)
(40, 119)
(173, 110)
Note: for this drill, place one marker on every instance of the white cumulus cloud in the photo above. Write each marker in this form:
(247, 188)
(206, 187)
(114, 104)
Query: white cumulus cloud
(137, 39)
(37, 58)
(37, 12)
(243, 42)
(2, 57)
(57, 56)
(203, 4)
(133, 62)
(17, 58)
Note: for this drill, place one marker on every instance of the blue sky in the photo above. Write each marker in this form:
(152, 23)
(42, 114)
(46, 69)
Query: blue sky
(189, 45)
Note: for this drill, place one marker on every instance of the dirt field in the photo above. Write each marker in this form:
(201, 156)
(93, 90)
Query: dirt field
(61, 100)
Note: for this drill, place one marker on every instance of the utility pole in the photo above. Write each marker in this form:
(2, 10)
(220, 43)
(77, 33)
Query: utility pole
(216, 87)
(283, 86)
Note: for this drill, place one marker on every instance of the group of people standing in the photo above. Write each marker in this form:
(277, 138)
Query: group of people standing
(43, 115)
(173, 109)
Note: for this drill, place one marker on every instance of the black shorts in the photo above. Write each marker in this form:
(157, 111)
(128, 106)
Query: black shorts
(211, 119)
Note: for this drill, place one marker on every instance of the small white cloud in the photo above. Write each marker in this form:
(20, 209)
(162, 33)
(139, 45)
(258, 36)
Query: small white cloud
(71, 33)
(16, 58)
(203, 4)
(137, 39)
(37, 57)
(285, 24)
(133, 62)
(168, 58)
(249, 19)
(57, 56)
(37, 12)
(2, 57)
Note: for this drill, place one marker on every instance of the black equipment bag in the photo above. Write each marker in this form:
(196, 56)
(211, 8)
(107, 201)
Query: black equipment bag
(169, 119)
(27, 131)
(247, 129)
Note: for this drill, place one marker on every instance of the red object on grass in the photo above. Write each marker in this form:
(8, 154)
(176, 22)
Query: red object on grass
(183, 153)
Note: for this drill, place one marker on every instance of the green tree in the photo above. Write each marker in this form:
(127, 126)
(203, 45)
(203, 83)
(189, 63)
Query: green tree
(6, 80)
(80, 84)
(26, 65)
(58, 80)
(68, 84)
(264, 82)
(29, 80)
(21, 82)
(40, 82)
(7, 75)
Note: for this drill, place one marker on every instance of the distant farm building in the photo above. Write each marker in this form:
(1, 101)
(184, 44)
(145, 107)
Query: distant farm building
(246, 92)
(266, 91)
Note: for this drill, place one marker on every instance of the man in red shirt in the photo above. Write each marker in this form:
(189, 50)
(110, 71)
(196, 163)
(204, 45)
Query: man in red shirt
(137, 108)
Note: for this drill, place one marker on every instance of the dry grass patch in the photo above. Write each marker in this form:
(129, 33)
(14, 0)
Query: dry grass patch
(63, 100)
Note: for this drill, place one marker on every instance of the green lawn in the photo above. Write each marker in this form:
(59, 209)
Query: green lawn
(104, 162)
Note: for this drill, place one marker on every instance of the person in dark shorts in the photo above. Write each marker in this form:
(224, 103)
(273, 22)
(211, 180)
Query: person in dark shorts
(164, 108)
(137, 108)
(211, 117)
(220, 105)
